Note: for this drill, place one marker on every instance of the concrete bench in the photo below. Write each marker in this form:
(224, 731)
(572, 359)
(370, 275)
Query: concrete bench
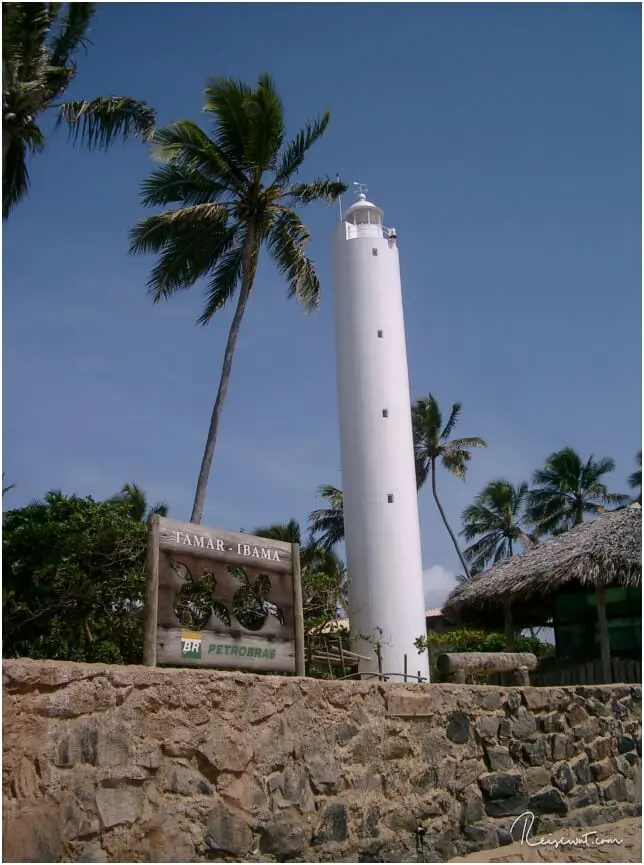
(455, 666)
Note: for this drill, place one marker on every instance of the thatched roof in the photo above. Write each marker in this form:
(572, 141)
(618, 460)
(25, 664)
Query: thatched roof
(607, 550)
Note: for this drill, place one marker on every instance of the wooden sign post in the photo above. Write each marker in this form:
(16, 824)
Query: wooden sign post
(222, 599)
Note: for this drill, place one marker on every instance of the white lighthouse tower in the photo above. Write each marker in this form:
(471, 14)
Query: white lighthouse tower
(382, 533)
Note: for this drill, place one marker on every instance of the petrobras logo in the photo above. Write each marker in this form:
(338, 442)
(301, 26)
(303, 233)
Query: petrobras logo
(190, 645)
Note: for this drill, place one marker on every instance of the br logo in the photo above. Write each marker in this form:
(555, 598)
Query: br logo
(190, 645)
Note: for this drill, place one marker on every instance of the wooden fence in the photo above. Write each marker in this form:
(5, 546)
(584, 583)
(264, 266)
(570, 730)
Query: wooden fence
(623, 670)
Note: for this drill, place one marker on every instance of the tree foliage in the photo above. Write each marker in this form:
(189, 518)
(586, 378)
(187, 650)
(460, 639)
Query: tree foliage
(497, 521)
(322, 573)
(135, 500)
(232, 193)
(432, 444)
(327, 524)
(40, 42)
(73, 581)
(635, 479)
(566, 489)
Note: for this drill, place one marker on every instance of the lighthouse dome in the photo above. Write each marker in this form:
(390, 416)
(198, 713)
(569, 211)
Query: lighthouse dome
(363, 212)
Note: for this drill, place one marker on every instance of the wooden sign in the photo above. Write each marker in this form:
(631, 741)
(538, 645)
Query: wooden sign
(222, 599)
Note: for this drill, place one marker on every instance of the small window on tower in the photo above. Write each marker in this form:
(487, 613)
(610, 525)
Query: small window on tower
(390, 498)
(385, 412)
(374, 251)
(379, 334)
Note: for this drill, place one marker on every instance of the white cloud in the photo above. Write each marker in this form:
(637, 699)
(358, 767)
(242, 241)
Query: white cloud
(438, 583)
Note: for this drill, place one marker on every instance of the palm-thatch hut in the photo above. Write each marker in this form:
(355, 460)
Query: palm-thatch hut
(587, 582)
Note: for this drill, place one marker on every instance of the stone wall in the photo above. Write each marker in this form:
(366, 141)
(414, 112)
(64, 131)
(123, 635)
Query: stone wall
(132, 764)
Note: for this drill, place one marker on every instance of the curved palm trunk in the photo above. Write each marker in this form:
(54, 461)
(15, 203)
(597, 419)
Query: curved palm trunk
(447, 526)
(211, 440)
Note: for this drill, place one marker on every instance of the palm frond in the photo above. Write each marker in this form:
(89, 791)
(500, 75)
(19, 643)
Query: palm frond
(321, 189)
(451, 423)
(468, 442)
(190, 240)
(295, 152)
(265, 112)
(185, 143)
(160, 508)
(327, 524)
(153, 232)
(227, 100)
(455, 461)
(97, 123)
(225, 281)
(286, 243)
(635, 479)
(15, 175)
(289, 532)
(72, 34)
(176, 183)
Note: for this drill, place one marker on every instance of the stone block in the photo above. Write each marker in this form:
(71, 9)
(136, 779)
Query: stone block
(576, 715)
(538, 752)
(602, 770)
(614, 790)
(625, 744)
(333, 825)
(293, 788)
(227, 831)
(562, 746)
(472, 809)
(324, 772)
(513, 700)
(488, 727)
(598, 749)
(548, 801)
(512, 806)
(497, 758)
(410, 705)
(524, 725)
(117, 805)
(501, 785)
(458, 728)
(32, 834)
(481, 837)
(581, 769)
(93, 852)
(596, 707)
(582, 797)
(536, 777)
(345, 732)
(222, 755)
(284, 838)
(368, 825)
(562, 777)
(397, 749)
(187, 782)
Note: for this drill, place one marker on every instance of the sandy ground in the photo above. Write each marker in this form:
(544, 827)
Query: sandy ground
(628, 831)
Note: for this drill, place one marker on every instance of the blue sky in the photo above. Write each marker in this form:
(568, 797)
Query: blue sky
(503, 142)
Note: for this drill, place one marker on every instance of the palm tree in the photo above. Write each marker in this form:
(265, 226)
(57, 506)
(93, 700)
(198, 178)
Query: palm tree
(328, 523)
(497, 519)
(137, 503)
(432, 443)
(635, 479)
(235, 192)
(566, 489)
(39, 44)
(323, 573)
(5, 490)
